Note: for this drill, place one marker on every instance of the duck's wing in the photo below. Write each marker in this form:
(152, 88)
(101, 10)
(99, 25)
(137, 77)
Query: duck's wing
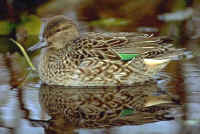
(97, 72)
(128, 43)
(113, 58)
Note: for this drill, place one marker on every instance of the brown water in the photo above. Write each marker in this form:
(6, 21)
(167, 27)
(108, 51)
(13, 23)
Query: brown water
(20, 110)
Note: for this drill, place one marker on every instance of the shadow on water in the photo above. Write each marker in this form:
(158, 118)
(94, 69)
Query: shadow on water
(170, 104)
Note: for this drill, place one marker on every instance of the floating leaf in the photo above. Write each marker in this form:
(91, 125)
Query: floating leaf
(126, 112)
(127, 57)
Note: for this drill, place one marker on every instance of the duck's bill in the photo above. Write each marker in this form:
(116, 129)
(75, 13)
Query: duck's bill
(39, 45)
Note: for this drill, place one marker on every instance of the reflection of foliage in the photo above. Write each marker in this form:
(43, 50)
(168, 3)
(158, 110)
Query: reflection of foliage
(30, 23)
(20, 72)
(137, 13)
(6, 27)
(6, 45)
(128, 11)
(109, 22)
(26, 30)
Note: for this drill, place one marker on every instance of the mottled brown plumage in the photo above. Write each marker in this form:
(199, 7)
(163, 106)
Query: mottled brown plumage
(94, 59)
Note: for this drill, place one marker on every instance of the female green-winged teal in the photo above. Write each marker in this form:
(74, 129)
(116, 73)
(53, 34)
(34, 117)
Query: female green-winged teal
(72, 58)
(100, 107)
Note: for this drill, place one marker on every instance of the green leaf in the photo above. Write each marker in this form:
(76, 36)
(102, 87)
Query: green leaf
(127, 57)
(126, 112)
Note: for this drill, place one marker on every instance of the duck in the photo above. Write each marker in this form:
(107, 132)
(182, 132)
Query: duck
(106, 107)
(73, 58)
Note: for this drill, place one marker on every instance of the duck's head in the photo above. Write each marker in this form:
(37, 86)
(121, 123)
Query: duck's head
(56, 33)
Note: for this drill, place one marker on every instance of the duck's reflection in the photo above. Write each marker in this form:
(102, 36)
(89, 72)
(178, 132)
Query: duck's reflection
(104, 107)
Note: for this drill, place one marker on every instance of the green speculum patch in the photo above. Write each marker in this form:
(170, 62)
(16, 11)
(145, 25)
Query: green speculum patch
(127, 112)
(127, 57)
